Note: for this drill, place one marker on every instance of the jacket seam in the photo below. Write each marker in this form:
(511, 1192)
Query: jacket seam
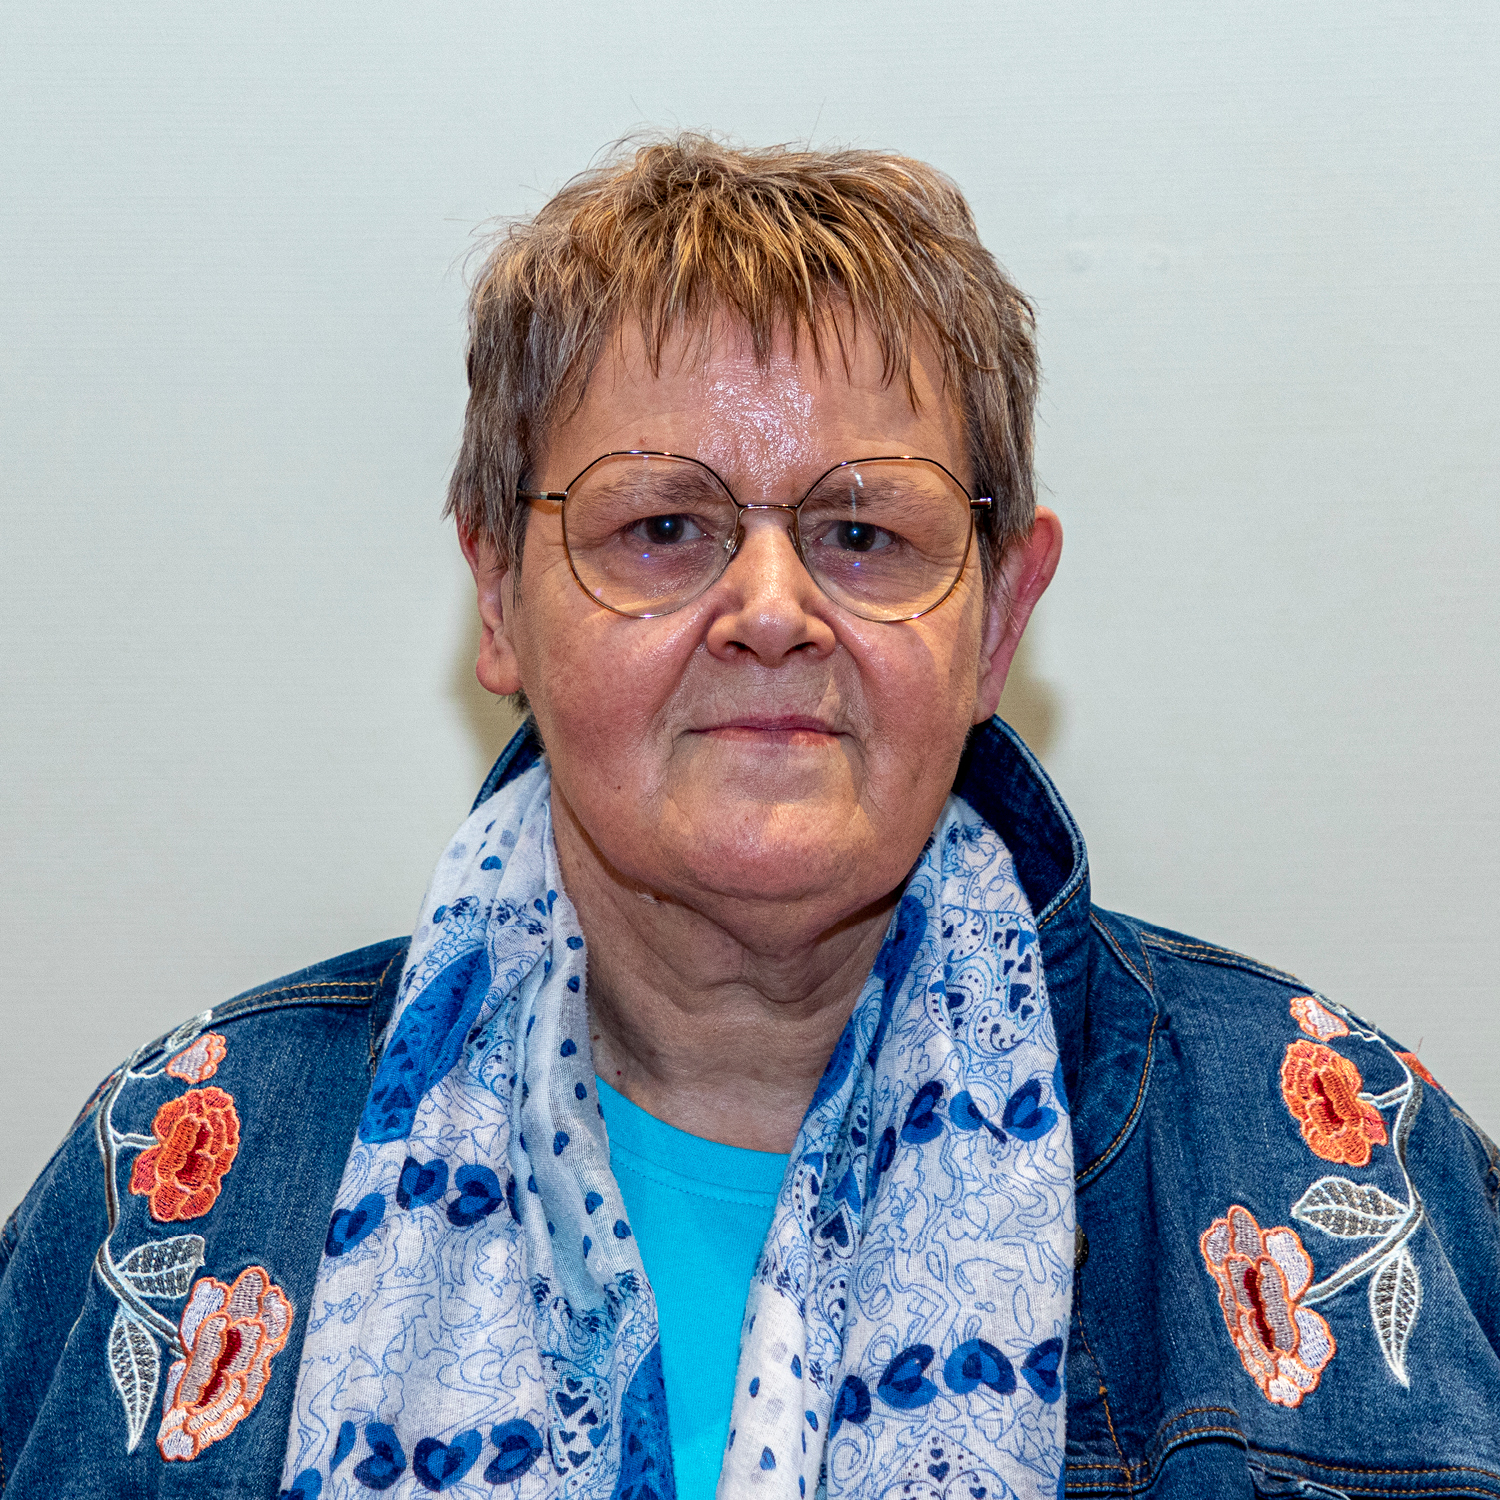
(291, 989)
(1052, 913)
(1142, 1476)
(1120, 953)
(1103, 1159)
(379, 986)
(1227, 958)
(222, 1014)
(1124, 1465)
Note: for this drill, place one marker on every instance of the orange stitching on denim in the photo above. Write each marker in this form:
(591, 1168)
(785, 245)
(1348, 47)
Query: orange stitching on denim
(1067, 901)
(1119, 952)
(1210, 953)
(1150, 1468)
(1103, 1388)
(233, 1010)
(1135, 1109)
(380, 985)
(311, 984)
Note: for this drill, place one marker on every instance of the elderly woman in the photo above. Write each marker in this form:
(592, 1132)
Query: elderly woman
(759, 1107)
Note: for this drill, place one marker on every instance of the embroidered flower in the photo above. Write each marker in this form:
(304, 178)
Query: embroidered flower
(1316, 1019)
(1413, 1062)
(1322, 1091)
(197, 1136)
(1261, 1274)
(230, 1334)
(199, 1062)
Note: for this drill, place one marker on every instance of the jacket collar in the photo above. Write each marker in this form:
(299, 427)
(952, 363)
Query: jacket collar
(1001, 779)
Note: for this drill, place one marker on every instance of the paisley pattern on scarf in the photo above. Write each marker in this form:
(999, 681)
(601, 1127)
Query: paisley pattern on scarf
(482, 1318)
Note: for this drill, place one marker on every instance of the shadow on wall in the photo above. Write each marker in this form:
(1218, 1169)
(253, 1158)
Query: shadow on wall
(1030, 704)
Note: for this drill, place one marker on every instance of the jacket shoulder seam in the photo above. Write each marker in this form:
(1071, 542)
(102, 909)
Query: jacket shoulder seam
(1210, 953)
(291, 996)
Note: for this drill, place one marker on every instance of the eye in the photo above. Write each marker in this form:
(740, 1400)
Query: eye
(663, 531)
(859, 536)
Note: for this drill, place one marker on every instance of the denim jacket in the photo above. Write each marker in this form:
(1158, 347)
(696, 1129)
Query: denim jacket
(1287, 1273)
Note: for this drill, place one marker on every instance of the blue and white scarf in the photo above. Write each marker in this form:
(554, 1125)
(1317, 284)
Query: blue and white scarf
(482, 1322)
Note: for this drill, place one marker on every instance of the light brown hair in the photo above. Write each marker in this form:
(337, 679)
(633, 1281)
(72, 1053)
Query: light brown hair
(686, 229)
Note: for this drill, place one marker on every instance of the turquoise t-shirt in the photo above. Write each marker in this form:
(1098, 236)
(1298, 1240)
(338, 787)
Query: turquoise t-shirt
(700, 1212)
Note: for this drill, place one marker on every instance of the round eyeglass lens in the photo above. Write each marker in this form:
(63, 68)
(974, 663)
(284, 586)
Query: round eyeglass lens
(886, 538)
(647, 533)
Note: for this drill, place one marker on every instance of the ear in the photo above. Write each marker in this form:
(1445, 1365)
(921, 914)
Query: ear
(1025, 571)
(497, 668)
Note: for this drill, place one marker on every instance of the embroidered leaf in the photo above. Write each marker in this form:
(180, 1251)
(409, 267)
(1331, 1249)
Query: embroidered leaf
(1350, 1210)
(164, 1268)
(1395, 1296)
(135, 1367)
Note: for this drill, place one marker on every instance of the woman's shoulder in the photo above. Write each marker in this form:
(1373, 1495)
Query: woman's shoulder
(211, 1155)
(1266, 1128)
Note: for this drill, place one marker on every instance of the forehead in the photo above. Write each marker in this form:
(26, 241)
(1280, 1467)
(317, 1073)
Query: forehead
(759, 421)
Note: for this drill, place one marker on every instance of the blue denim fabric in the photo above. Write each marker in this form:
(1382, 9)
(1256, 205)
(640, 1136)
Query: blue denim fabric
(1171, 1051)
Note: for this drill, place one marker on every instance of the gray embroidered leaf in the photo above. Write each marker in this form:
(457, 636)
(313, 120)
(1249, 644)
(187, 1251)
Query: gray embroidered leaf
(135, 1367)
(1350, 1210)
(164, 1268)
(1395, 1296)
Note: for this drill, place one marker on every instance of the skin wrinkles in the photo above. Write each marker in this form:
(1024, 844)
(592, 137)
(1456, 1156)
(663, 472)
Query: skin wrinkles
(771, 853)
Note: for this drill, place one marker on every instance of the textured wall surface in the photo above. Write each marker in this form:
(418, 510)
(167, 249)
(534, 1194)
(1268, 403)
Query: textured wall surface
(236, 702)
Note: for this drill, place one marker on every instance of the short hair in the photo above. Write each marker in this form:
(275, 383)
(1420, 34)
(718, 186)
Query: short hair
(687, 228)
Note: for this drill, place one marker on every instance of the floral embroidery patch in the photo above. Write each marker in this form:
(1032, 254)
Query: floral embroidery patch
(1413, 1062)
(222, 1346)
(229, 1335)
(1266, 1292)
(198, 1063)
(1316, 1019)
(1322, 1090)
(197, 1139)
(1262, 1274)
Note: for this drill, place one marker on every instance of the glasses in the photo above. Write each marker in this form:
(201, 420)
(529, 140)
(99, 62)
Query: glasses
(884, 538)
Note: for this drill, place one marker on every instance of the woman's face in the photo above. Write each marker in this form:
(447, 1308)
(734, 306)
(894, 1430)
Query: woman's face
(760, 745)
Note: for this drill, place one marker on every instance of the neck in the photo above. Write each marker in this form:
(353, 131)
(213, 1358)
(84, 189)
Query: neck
(717, 1021)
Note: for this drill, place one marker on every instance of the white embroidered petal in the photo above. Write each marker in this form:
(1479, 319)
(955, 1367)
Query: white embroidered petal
(1283, 1246)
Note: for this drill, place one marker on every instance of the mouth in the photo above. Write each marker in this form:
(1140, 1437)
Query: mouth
(773, 729)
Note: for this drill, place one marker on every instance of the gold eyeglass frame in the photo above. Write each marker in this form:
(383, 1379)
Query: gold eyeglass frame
(732, 542)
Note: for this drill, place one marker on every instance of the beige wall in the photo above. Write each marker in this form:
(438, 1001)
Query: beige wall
(235, 697)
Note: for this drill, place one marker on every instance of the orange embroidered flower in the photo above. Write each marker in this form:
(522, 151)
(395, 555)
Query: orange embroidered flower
(1261, 1275)
(230, 1334)
(1413, 1062)
(197, 1137)
(1316, 1019)
(1322, 1091)
(200, 1061)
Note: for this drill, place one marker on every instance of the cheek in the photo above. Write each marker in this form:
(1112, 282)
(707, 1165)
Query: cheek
(598, 684)
(920, 684)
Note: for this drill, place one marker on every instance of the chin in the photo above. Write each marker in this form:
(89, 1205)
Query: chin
(781, 851)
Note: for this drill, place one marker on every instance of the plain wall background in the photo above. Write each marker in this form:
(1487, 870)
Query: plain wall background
(236, 698)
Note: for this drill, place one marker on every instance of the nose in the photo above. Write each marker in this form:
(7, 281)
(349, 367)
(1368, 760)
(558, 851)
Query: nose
(766, 603)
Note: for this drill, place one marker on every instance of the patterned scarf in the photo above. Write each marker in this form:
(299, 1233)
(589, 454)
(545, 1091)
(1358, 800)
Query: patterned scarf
(482, 1318)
